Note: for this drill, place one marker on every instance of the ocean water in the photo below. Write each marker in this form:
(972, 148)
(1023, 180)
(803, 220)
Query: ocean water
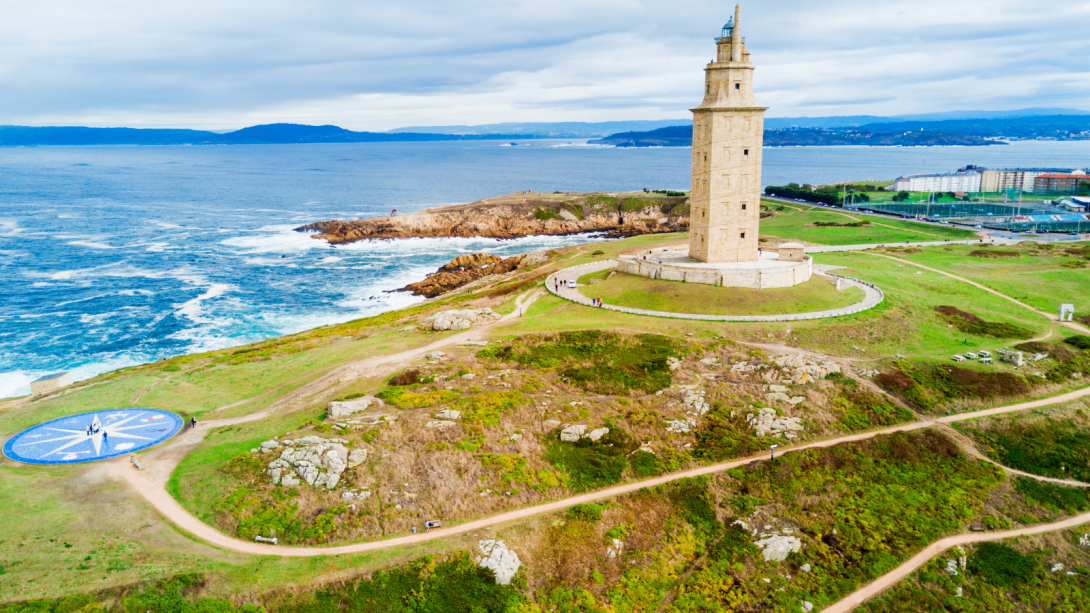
(116, 256)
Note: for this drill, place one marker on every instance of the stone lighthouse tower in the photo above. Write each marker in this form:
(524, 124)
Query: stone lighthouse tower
(728, 130)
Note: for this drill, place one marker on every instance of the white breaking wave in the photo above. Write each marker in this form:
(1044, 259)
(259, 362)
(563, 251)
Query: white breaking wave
(281, 239)
(91, 245)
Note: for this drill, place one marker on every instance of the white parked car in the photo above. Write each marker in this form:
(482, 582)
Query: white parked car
(571, 283)
(958, 358)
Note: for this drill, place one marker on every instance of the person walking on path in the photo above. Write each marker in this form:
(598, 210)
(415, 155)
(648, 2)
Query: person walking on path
(192, 422)
(105, 435)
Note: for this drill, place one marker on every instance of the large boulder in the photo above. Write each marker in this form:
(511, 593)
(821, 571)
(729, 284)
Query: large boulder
(459, 319)
(496, 556)
(339, 409)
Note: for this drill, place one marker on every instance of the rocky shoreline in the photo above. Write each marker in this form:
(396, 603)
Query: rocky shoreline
(519, 215)
(463, 270)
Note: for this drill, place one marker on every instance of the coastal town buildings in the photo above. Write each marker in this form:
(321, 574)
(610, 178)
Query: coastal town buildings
(951, 182)
(1059, 182)
(974, 179)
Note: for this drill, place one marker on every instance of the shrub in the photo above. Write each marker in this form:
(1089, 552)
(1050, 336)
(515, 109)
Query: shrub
(545, 214)
(597, 361)
(1056, 498)
(1080, 341)
(586, 512)
(994, 253)
(598, 252)
(406, 378)
(926, 386)
(1002, 566)
(429, 584)
(646, 464)
(592, 464)
(404, 398)
(486, 409)
(971, 324)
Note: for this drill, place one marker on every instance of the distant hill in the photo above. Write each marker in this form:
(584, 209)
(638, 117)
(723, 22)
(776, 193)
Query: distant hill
(279, 133)
(564, 129)
(682, 136)
(965, 132)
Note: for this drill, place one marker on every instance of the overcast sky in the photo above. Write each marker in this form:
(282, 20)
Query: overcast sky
(369, 65)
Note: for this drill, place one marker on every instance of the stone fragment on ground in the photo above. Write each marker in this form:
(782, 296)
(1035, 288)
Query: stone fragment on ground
(577, 432)
(500, 559)
(440, 424)
(673, 363)
(776, 547)
(448, 414)
(435, 355)
(458, 319)
(339, 409)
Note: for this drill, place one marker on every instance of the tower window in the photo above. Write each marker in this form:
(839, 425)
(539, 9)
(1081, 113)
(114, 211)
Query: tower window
(737, 86)
(743, 234)
(745, 152)
(743, 206)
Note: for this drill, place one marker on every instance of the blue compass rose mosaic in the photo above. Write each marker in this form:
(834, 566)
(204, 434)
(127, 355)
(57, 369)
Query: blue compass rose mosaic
(92, 436)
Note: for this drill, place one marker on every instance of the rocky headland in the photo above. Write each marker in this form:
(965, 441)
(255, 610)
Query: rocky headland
(518, 215)
(462, 270)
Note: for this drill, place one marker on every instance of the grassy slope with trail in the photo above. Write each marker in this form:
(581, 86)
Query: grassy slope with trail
(792, 223)
(58, 507)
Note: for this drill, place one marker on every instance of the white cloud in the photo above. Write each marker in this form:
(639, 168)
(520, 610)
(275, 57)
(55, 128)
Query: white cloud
(370, 65)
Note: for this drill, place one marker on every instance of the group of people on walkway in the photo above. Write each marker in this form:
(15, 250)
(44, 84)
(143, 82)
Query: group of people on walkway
(596, 302)
(94, 429)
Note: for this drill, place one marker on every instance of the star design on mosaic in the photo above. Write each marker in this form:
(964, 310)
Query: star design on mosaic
(97, 437)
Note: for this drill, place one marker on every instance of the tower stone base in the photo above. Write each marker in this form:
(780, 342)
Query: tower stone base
(767, 272)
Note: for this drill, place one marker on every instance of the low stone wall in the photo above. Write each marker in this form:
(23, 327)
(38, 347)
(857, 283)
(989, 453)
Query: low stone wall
(557, 285)
(782, 274)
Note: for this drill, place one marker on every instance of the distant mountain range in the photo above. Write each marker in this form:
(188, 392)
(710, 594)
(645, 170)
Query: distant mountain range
(957, 126)
(278, 133)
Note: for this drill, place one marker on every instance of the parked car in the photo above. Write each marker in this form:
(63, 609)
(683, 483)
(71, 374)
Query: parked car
(571, 283)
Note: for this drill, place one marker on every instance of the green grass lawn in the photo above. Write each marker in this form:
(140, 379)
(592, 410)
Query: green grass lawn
(676, 297)
(1036, 278)
(795, 224)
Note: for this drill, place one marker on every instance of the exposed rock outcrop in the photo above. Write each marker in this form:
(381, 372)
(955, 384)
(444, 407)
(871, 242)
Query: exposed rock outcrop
(776, 547)
(462, 270)
(458, 320)
(496, 556)
(312, 460)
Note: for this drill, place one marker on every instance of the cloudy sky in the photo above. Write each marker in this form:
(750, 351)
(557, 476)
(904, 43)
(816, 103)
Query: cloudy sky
(367, 65)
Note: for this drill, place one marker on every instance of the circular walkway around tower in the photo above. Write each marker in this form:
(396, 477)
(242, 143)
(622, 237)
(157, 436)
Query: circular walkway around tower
(114, 432)
(873, 296)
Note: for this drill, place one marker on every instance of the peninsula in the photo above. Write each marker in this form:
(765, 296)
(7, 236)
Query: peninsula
(522, 214)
